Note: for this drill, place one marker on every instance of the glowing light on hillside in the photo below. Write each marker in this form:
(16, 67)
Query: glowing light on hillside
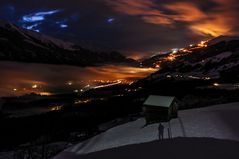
(45, 93)
(56, 108)
(69, 83)
(108, 85)
(83, 101)
(171, 57)
(207, 78)
(87, 86)
(186, 50)
(202, 44)
(169, 76)
(34, 86)
(175, 50)
(216, 84)
(76, 91)
(157, 66)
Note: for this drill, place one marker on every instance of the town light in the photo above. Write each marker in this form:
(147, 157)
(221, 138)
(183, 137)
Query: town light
(70, 83)
(216, 84)
(34, 86)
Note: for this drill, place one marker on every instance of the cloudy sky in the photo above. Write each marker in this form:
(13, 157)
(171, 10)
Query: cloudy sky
(135, 27)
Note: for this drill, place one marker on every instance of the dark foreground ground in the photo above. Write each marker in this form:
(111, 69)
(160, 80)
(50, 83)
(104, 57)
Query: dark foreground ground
(178, 148)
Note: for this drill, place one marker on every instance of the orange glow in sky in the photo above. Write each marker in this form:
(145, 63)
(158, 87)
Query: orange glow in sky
(221, 19)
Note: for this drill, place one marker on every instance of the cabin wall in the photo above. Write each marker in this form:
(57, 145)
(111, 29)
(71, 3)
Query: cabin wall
(156, 114)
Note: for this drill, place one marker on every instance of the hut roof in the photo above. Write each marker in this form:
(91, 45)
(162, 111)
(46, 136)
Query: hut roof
(161, 101)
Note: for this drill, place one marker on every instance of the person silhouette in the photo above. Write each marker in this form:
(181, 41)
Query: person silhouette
(160, 131)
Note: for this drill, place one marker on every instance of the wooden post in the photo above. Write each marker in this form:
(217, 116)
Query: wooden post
(169, 130)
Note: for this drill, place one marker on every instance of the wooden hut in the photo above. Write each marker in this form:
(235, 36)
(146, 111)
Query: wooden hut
(160, 109)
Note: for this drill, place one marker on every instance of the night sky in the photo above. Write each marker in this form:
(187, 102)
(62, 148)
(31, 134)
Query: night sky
(135, 27)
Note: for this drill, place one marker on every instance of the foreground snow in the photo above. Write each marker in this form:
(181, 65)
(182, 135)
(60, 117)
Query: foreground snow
(181, 148)
(220, 121)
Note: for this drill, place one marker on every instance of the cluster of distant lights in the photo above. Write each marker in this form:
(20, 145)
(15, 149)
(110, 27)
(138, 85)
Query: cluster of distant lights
(202, 44)
(35, 87)
(181, 76)
(95, 84)
(103, 84)
(174, 52)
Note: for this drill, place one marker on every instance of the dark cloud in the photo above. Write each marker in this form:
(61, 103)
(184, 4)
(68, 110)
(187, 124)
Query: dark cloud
(136, 27)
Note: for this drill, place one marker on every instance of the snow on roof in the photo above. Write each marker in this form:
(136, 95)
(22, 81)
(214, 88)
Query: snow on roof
(162, 101)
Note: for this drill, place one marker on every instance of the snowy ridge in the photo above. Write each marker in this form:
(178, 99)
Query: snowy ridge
(222, 39)
(217, 58)
(51, 40)
(28, 34)
(34, 47)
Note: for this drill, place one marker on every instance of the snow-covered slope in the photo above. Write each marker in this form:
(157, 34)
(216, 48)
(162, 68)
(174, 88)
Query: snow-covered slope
(220, 122)
(218, 59)
(30, 35)
(182, 148)
(223, 39)
(18, 44)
